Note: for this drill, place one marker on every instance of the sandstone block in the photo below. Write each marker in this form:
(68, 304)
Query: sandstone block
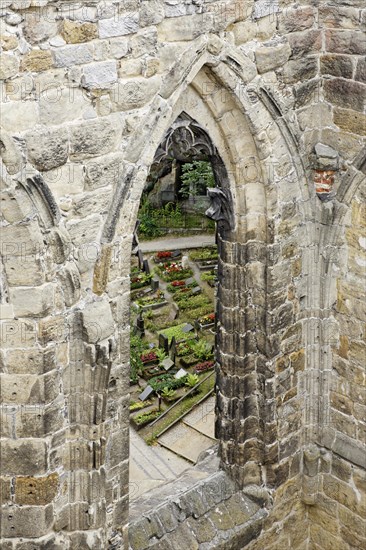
(58, 105)
(271, 57)
(352, 42)
(21, 240)
(26, 521)
(70, 280)
(98, 321)
(361, 70)
(119, 47)
(17, 334)
(39, 26)
(92, 138)
(9, 66)
(18, 116)
(304, 43)
(103, 171)
(296, 19)
(189, 28)
(37, 61)
(21, 389)
(344, 93)
(300, 70)
(120, 26)
(35, 302)
(36, 491)
(65, 180)
(4, 490)
(350, 121)
(30, 361)
(11, 152)
(336, 65)
(74, 32)
(151, 12)
(99, 75)
(85, 231)
(134, 93)
(343, 17)
(47, 149)
(23, 457)
(73, 55)
(8, 42)
(26, 271)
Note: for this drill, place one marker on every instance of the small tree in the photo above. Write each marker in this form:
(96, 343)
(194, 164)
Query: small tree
(196, 177)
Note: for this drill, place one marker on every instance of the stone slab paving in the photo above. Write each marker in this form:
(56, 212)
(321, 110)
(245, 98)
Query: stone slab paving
(185, 441)
(174, 243)
(202, 418)
(151, 466)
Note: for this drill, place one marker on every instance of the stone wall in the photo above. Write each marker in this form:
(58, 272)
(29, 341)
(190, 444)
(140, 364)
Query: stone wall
(88, 91)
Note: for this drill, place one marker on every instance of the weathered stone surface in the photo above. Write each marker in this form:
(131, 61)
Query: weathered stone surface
(58, 105)
(9, 66)
(37, 61)
(37, 491)
(272, 56)
(336, 65)
(134, 93)
(36, 28)
(120, 26)
(296, 19)
(75, 32)
(350, 121)
(47, 149)
(344, 93)
(103, 171)
(99, 75)
(73, 55)
(345, 41)
(23, 457)
(98, 321)
(304, 43)
(151, 12)
(29, 302)
(26, 521)
(92, 138)
(361, 70)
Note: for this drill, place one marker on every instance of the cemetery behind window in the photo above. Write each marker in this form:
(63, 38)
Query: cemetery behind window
(172, 377)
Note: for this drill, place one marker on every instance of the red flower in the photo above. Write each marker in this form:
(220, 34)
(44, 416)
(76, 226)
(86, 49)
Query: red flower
(148, 357)
(206, 365)
(178, 283)
(163, 254)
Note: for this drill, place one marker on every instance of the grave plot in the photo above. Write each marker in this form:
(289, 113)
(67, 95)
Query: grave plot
(171, 352)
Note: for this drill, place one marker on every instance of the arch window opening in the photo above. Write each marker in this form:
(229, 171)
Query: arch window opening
(173, 309)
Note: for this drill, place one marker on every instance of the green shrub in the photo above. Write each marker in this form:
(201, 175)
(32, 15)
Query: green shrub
(204, 254)
(192, 380)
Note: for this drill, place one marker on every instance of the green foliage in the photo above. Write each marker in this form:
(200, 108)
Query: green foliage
(202, 350)
(168, 393)
(208, 276)
(196, 177)
(147, 416)
(160, 354)
(193, 302)
(136, 405)
(204, 254)
(176, 331)
(149, 225)
(191, 380)
(158, 383)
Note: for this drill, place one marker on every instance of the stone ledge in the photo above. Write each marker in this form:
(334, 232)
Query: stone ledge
(195, 512)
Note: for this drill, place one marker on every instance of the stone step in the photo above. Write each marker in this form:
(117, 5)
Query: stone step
(185, 441)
